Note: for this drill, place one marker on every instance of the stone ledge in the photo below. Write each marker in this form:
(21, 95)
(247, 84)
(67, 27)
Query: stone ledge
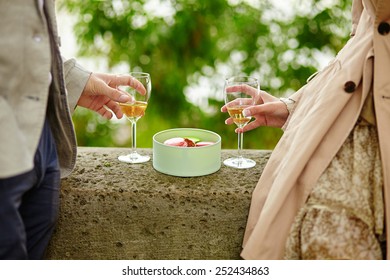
(112, 210)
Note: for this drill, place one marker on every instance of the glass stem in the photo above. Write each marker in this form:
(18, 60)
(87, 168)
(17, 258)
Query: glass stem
(240, 142)
(133, 137)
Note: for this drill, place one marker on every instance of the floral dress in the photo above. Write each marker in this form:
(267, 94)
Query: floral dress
(343, 217)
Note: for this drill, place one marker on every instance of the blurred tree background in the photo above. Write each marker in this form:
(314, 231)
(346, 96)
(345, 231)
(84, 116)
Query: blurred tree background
(190, 46)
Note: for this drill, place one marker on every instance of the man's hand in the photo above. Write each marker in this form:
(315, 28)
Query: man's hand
(101, 93)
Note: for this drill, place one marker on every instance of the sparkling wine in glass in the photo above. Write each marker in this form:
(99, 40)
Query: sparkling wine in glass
(134, 110)
(240, 92)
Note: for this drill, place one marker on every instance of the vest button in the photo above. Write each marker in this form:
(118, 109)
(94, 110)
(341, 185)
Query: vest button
(384, 28)
(349, 87)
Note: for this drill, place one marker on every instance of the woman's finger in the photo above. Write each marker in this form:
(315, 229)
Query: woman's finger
(243, 88)
(250, 126)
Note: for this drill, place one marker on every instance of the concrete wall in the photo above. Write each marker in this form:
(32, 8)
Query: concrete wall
(113, 210)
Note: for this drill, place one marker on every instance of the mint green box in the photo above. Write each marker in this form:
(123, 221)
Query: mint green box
(187, 161)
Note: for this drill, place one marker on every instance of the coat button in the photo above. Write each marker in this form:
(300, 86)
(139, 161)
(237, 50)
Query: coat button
(349, 87)
(37, 38)
(384, 28)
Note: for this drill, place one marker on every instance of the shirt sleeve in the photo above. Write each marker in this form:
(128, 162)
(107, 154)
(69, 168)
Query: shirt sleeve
(76, 78)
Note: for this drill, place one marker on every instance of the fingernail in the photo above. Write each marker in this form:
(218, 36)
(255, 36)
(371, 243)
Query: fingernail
(124, 98)
(246, 113)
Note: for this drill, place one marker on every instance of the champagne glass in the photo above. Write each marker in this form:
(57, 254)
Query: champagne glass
(134, 110)
(240, 92)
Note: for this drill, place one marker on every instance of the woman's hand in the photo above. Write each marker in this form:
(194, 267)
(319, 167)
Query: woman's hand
(101, 93)
(268, 111)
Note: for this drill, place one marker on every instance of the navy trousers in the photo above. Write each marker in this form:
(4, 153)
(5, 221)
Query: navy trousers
(29, 204)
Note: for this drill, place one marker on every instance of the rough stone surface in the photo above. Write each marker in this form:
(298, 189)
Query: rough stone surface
(112, 210)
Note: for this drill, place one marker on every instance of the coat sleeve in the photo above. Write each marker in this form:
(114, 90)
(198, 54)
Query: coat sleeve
(76, 78)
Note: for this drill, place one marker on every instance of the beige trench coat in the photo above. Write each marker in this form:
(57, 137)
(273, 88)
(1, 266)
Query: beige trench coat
(31, 67)
(326, 111)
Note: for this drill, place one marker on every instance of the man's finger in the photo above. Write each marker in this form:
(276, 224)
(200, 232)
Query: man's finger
(127, 80)
(229, 121)
(119, 96)
(114, 107)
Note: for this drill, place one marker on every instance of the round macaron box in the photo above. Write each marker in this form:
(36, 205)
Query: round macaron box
(187, 161)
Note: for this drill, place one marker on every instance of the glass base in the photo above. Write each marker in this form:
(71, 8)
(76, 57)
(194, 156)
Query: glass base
(240, 163)
(134, 158)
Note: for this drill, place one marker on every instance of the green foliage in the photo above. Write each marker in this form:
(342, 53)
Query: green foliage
(191, 47)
